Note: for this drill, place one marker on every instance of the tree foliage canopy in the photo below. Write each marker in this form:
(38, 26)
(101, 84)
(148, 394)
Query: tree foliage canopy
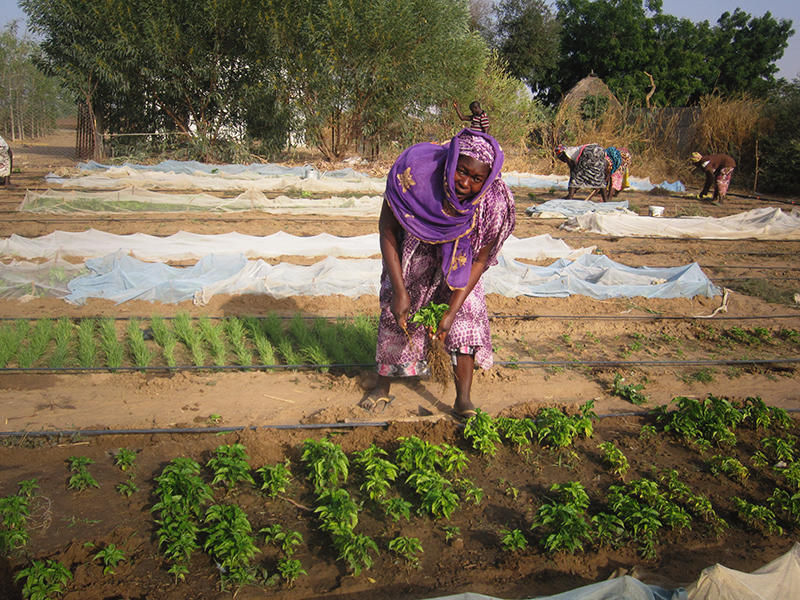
(527, 38)
(216, 67)
(622, 40)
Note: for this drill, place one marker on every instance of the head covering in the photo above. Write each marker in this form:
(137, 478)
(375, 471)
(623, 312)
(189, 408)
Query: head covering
(422, 181)
(616, 157)
(696, 157)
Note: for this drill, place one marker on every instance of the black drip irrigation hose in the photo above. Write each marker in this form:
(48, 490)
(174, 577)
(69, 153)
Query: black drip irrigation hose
(217, 430)
(214, 430)
(511, 363)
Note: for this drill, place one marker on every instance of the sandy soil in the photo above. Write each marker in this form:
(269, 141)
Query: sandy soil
(647, 341)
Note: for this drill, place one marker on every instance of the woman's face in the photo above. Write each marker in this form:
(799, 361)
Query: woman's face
(470, 176)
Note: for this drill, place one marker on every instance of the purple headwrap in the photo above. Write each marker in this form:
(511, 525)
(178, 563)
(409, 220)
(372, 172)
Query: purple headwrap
(422, 181)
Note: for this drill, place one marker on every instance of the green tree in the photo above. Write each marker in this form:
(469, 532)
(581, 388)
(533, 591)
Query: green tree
(527, 38)
(161, 65)
(354, 68)
(29, 101)
(780, 147)
(745, 50)
(626, 41)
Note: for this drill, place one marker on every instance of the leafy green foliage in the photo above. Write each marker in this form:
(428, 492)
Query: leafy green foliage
(527, 33)
(111, 557)
(564, 522)
(290, 569)
(181, 493)
(482, 431)
(43, 579)
(230, 466)
(429, 315)
(630, 392)
(686, 59)
(355, 549)
(513, 541)
(407, 548)
(327, 463)
(230, 543)
(275, 478)
(758, 518)
(379, 473)
(614, 458)
(81, 478)
(13, 534)
(124, 458)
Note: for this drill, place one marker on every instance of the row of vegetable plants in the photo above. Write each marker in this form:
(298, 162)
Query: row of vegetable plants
(196, 509)
(184, 341)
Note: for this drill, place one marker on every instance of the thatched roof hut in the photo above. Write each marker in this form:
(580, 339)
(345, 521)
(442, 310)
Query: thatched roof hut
(591, 85)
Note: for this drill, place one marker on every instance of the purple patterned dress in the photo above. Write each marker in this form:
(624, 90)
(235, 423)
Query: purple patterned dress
(396, 355)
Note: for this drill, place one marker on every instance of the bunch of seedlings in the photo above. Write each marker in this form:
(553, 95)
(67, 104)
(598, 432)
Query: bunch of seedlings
(289, 569)
(328, 467)
(81, 479)
(429, 317)
(125, 459)
(180, 496)
(184, 341)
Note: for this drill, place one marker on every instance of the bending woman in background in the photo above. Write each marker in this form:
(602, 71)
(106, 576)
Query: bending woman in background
(719, 171)
(588, 168)
(619, 160)
(445, 216)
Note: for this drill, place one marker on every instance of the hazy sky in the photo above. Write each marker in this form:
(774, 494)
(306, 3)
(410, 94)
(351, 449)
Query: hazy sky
(695, 10)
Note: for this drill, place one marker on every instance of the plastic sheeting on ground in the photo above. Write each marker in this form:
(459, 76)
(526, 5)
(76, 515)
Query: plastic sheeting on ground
(559, 209)
(128, 200)
(120, 278)
(528, 180)
(621, 588)
(778, 580)
(22, 280)
(193, 246)
(761, 223)
(182, 175)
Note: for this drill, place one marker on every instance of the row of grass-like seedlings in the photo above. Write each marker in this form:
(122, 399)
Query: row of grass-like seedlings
(184, 341)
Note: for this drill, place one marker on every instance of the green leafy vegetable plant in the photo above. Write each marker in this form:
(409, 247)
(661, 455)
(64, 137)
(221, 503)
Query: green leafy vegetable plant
(230, 543)
(482, 432)
(759, 518)
(327, 463)
(429, 315)
(275, 478)
(14, 511)
(407, 548)
(230, 466)
(81, 478)
(630, 392)
(513, 541)
(43, 579)
(124, 458)
(614, 459)
(111, 557)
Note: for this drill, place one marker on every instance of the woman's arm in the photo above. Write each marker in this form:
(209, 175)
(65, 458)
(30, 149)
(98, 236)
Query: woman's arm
(389, 228)
(457, 297)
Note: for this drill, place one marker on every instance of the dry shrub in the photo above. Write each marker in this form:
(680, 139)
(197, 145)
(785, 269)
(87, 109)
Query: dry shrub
(729, 125)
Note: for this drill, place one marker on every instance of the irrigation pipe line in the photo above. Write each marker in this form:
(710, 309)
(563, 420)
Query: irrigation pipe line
(315, 367)
(651, 317)
(214, 430)
(218, 430)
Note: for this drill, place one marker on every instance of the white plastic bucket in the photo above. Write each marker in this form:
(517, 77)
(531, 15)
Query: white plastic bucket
(656, 211)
